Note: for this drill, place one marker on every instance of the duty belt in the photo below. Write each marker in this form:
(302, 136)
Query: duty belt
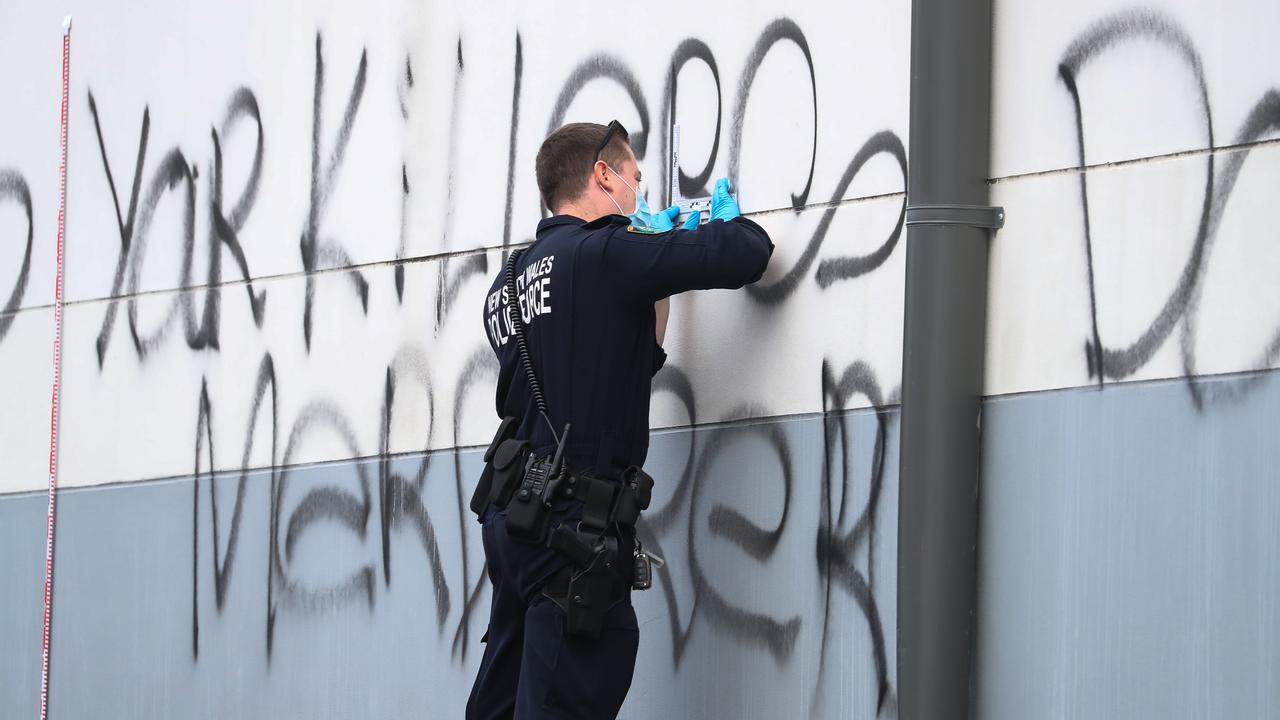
(608, 502)
(605, 501)
(593, 580)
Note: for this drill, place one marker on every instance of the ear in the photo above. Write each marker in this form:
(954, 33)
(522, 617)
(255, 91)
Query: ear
(600, 173)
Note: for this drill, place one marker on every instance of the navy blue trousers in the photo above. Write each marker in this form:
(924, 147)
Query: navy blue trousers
(531, 667)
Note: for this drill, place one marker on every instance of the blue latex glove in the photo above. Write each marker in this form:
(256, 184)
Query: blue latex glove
(665, 220)
(723, 206)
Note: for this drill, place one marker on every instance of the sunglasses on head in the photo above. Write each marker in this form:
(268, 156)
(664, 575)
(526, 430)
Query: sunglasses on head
(614, 126)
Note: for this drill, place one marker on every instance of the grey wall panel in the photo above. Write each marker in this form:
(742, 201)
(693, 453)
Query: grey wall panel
(1130, 552)
(778, 598)
(22, 542)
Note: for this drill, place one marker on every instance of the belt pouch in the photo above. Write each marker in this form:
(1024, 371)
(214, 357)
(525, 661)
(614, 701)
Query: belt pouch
(641, 483)
(636, 492)
(484, 487)
(508, 470)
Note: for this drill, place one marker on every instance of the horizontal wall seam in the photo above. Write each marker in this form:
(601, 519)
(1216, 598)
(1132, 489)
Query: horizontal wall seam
(380, 264)
(412, 454)
(1171, 379)
(1180, 154)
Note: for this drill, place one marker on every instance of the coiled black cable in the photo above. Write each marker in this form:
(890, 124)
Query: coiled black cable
(517, 326)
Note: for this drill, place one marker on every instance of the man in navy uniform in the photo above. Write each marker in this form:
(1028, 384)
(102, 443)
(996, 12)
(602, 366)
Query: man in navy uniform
(592, 295)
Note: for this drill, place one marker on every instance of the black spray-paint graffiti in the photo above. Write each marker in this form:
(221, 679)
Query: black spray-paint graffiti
(174, 173)
(291, 516)
(1182, 306)
(134, 228)
(695, 185)
(317, 253)
(403, 90)
(323, 503)
(401, 507)
(845, 529)
(400, 499)
(834, 269)
(296, 509)
(778, 31)
(517, 79)
(829, 270)
(451, 277)
(835, 551)
(13, 187)
(846, 526)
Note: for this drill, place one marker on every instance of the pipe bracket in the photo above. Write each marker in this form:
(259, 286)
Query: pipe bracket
(979, 216)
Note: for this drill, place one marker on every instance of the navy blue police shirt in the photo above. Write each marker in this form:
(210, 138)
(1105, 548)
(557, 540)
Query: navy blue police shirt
(586, 292)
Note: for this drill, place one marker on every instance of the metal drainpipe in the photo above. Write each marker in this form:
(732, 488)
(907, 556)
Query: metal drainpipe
(948, 229)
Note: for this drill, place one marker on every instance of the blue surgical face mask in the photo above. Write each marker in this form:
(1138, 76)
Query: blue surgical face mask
(642, 216)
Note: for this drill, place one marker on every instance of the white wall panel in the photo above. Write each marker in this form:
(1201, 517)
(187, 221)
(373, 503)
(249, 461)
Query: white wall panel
(1135, 69)
(421, 124)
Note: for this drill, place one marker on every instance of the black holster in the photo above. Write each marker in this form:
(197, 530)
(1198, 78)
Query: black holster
(590, 586)
(594, 579)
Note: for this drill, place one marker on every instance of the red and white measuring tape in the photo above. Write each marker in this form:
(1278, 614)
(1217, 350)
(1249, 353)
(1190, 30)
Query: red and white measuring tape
(57, 373)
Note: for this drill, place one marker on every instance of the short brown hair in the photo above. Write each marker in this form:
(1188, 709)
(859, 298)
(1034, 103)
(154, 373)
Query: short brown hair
(567, 157)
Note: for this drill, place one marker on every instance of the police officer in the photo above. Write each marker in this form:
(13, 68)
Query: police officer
(591, 302)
